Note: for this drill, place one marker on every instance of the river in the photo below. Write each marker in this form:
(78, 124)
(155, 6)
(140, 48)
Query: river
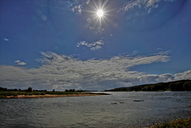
(118, 110)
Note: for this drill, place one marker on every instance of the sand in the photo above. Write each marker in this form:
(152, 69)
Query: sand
(49, 96)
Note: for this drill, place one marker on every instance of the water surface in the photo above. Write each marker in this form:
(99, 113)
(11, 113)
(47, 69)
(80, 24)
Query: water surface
(119, 110)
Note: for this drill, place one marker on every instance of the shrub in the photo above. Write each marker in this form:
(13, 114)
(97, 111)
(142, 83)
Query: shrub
(29, 89)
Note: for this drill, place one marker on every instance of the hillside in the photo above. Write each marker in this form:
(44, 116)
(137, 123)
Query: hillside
(181, 85)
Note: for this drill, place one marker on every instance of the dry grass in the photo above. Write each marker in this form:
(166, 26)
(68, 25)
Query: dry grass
(179, 123)
(24, 94)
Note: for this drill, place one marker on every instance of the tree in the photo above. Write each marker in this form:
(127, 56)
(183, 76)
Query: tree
(172, 87)
(187, 86)
(29, 89)
(177, 86)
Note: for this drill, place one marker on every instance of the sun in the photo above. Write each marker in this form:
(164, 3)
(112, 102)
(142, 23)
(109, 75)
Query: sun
(98, 20)
(100, 13)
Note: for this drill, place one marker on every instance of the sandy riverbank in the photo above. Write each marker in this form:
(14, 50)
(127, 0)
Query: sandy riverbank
(49, 96)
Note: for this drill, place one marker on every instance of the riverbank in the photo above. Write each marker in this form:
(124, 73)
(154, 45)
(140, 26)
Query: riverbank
(32, 95)
(179, 123)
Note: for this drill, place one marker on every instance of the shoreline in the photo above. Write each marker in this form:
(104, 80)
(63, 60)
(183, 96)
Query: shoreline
(52, 96)
(178, 123)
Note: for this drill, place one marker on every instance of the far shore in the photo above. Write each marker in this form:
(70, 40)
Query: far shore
(51, 96)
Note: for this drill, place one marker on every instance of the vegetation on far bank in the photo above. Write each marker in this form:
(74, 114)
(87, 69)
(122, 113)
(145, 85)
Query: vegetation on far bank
(182, 85)
(15, 92)
(179, 123)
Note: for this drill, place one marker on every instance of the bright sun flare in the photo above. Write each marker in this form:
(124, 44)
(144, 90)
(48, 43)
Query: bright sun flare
(100, 13)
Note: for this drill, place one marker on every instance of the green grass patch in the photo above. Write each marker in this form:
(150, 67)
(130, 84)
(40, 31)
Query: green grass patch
(1, 96)
(179, 123)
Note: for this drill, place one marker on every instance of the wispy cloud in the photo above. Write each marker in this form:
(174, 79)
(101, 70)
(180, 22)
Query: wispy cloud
(77, 9)
(18, 62)
(5, 39)
(147, 5)
(62, 72)
(93, 46)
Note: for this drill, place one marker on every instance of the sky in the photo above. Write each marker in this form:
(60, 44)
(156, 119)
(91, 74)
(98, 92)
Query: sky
(67, 44)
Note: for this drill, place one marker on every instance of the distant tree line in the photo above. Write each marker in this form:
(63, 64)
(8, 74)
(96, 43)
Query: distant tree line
(73, 90)
(5, 89)
(182, 85)
(32, 90)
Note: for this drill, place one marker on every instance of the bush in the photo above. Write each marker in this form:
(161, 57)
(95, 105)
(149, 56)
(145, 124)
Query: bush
(29, 89)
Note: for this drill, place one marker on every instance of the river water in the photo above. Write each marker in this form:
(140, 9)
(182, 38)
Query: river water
(118, 110)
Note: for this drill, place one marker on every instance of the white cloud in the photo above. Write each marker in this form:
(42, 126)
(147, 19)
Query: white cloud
(21, 63)
(63, 72)
(5, 39)
(18, 62)
(165, 77)
(93, 46)
(184, 75)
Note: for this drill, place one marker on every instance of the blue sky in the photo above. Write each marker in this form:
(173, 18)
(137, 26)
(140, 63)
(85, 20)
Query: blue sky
(63, 44)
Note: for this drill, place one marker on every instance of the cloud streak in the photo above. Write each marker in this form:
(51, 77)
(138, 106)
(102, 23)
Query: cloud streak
(147, 5)
(146, 15)
(63, 72)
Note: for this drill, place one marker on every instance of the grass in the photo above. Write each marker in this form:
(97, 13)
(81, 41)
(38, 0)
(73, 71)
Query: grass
(3, 94)
(15, 93)
(179, 123)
